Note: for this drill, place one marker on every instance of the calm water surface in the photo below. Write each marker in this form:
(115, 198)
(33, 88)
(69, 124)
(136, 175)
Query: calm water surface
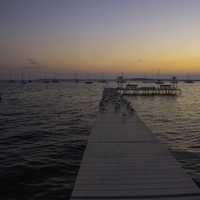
(44, 130)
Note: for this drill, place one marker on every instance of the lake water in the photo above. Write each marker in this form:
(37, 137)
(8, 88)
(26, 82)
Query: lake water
(44, 130)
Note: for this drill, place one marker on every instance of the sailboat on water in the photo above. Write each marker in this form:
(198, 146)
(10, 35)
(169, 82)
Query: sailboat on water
(23, 81)
(102, 79)
(89, 81)
(55, 80)
(158, 80)
(189, 80)
(76, 79)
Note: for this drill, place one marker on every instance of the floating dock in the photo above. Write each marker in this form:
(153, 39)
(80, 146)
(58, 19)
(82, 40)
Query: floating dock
(160, 90)
(125, 160)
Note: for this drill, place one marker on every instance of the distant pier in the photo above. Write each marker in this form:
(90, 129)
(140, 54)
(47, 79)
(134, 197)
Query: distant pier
(135, 90)
(159, 89)
(125, 160)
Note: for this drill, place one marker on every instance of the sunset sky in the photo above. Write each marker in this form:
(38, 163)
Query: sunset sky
(100, 36)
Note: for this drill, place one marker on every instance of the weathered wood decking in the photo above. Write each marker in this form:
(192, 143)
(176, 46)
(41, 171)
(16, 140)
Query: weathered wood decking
(124, 160)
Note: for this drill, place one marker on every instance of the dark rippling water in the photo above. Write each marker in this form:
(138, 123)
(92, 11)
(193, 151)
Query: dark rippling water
(44, 130)
(43, 133)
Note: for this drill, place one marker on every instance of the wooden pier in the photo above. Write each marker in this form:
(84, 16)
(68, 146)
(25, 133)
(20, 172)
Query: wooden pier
(160, 90)
(125, 160)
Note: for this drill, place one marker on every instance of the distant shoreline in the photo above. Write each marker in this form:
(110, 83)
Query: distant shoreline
(96, 80)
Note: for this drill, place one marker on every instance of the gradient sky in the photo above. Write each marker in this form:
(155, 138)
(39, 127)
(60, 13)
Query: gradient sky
(100, 36)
